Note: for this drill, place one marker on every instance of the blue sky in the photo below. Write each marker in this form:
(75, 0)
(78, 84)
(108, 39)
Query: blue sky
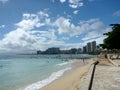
(30, 25)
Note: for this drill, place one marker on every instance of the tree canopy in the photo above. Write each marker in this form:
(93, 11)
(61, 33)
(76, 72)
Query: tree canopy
(113, 38)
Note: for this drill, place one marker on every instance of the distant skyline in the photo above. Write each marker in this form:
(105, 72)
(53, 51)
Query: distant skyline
(30, 25)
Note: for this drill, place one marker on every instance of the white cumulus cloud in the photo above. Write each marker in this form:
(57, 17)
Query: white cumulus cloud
(96, 35)
(75, 3)
(76, 12)
(65, 26)
(27, 35)
(38, 32)
(62, 1)
(97, 25)
(91, 35)
(117, 13)
(4, 1)
(2, 26)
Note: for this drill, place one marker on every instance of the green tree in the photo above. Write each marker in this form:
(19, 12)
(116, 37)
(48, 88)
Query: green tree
(113, 38)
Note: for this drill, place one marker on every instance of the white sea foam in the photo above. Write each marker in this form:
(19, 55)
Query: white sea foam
(65, 63)
(61, 64)
(40, 84)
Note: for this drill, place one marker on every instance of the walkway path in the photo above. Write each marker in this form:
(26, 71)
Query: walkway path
(107, 77)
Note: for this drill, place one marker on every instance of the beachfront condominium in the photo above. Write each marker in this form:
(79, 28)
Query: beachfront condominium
(90, 47)
(93, 46)
(84, 49)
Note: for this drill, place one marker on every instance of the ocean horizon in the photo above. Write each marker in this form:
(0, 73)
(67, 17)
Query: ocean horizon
(32, 72)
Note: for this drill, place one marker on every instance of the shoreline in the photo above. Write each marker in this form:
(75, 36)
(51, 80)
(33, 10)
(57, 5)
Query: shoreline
(55, 75)
(70, 80)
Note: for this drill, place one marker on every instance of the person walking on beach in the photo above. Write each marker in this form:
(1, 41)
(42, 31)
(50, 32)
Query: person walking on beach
(83, 61)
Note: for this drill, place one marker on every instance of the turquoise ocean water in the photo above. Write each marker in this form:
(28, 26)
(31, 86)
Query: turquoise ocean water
(31, 72)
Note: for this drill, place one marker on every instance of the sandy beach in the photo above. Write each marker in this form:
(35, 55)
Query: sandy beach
(79, 78)
(71, 80)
